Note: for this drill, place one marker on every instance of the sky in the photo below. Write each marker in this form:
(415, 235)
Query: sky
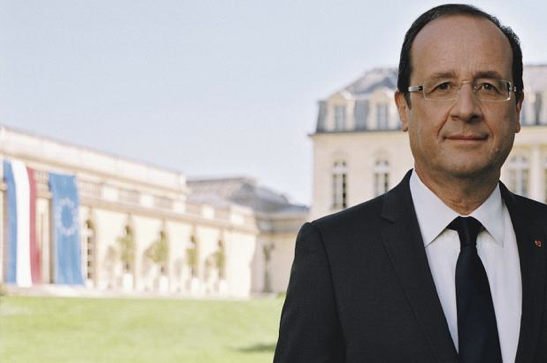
(209, 88)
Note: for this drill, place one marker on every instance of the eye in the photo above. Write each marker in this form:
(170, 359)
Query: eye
(440, 89)
(445, 86)
(489, 87)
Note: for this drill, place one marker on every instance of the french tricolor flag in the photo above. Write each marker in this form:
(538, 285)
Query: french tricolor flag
(23, 255)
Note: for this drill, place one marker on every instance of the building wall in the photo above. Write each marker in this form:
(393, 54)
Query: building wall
(275, 251)
(179, 235)
(272, 262)
(368, 144)
(117, 194)
(240, 249)
(361, 150)
(109, 226)
(282, 257)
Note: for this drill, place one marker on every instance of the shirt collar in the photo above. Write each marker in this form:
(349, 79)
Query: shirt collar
(434, 216)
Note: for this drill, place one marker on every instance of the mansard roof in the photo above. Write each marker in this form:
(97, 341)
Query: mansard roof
(372, 80)
(246, 192)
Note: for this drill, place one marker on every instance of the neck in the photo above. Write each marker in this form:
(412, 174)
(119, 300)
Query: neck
(461, 194)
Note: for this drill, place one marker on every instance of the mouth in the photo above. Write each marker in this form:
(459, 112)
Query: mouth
(467, 138)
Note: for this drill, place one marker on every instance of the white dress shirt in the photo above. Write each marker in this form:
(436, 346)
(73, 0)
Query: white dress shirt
(497, 248)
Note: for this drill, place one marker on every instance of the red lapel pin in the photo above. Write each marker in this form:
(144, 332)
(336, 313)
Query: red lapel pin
(538, 243)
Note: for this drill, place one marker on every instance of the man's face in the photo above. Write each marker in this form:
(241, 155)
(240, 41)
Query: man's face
(465, 137)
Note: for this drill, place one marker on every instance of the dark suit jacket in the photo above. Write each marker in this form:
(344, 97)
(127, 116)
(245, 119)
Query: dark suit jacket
(361, 290)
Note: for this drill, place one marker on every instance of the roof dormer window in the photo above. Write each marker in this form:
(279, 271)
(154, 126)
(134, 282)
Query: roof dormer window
(382, 116)
(339, 118)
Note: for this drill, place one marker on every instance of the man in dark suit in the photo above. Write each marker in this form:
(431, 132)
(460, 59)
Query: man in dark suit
(449, 266)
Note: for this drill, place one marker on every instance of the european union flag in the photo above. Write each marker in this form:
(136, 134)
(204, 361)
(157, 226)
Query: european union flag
(66, 231)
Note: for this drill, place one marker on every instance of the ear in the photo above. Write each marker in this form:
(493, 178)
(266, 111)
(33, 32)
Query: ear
(519, 105)
(403, 109)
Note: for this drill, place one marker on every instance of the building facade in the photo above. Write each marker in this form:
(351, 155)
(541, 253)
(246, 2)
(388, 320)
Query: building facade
(140, 227)
(360, 152)
(277, 220)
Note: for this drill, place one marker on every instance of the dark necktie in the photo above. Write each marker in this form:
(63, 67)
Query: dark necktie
(477, 329)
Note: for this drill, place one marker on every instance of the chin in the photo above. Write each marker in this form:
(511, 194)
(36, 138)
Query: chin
(473, 171)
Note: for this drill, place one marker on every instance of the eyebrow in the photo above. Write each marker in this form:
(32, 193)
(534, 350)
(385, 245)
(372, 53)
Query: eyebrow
(488, 74)
(452, 75)
(443, 75)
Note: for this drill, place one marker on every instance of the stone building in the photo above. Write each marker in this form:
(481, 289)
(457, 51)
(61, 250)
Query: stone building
(359, 150)
(277, 219)
(140, 228)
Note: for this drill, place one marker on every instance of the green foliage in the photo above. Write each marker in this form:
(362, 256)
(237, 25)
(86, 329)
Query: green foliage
(63, 330)
(127, 251)
(158, 252)
(192, 259)
(219, 259)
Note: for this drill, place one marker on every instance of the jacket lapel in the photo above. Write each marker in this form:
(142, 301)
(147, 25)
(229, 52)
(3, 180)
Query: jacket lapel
(403, 242)
(532, 257)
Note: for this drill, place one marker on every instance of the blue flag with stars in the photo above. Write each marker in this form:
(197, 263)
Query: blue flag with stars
(66, 231)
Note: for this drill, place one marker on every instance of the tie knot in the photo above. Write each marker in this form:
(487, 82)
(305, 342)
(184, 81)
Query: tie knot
(468, 229)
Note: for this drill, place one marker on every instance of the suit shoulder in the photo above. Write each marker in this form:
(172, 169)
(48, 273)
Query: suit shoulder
(366, 217)
(361, 212)
(531, 204)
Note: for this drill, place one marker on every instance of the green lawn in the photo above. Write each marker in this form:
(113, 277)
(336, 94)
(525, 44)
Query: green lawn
(56, 330)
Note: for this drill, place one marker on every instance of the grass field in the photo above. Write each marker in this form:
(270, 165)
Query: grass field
(56, 330)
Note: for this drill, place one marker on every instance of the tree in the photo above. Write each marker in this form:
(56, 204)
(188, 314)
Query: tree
(219, 261)
(127, 249)
(192, 256)
(158, 252)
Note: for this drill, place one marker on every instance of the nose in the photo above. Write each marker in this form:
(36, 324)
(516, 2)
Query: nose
(466, 107)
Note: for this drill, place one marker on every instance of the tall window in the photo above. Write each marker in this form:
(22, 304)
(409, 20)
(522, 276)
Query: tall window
(339, 185)
(361, 114)
(340, 118)
(89, 251)
(382, 115)
(537, 108)
(381, 177)
(523, 116)
(519, 170)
